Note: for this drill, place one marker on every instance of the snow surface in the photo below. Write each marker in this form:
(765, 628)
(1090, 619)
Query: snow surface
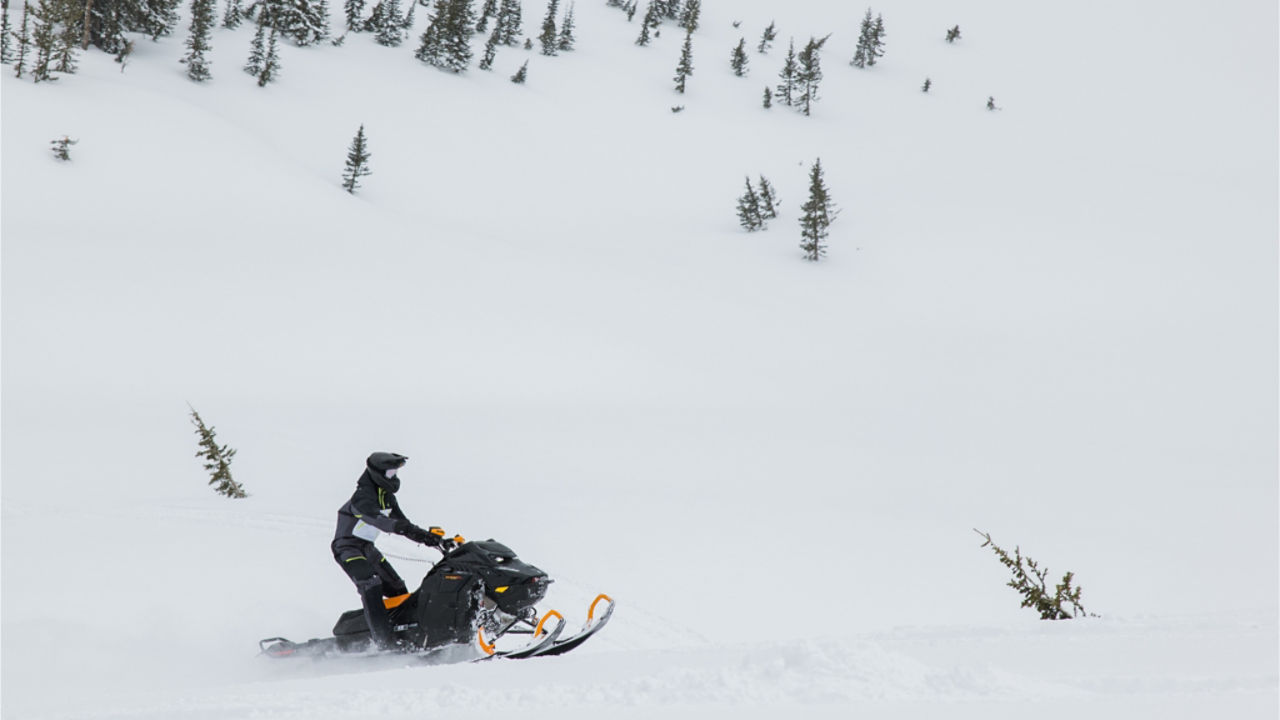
(1056, 323)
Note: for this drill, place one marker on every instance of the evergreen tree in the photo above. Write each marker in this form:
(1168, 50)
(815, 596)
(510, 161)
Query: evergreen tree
(631, 8)
(1032, 583)
(509, 20)
(927, 84)
(62, 148)
(690, 15)
(354, 9)
(110, 20)
(522, 74)
(489, 10)
(548, 37)
(24, 41)
(991, 103)
(817, 215)
(387, 24)
(809, 74)
(768, 200)
(566, 39)
(789, 74)
(305, 22)
(490, 49)
(650, 21)
(407, 24)
(270, 63)
(71, 23)
(866, 42)
(685, 67)
(217, 458)
(953, 34)
(768, 97)
(44, 36)
(738, 60)
(875, 49)
(446, 43)
(257, 51)
(5, 32)
(233, 15)
(766, 40)
(749, 216)
(202, 20)
(357, 162)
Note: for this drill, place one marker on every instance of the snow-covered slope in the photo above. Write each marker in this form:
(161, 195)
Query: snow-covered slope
(1056, 322)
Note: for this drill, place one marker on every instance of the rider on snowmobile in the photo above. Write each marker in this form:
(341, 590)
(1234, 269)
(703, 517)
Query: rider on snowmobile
(370, 511)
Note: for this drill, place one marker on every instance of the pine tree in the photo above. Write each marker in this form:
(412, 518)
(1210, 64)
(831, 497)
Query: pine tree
(768, 200)
(110, 20)
(45, 39)
(548, 37)
(233, 15)
(566, 39)
(202, 20)
(766, 40)
(690, 15)
(927, 84)
(354, 9)
(768, 97)
(509, 20)
(866, 39)
(953, 34)
(217, 460)
(270, 63)
(407, 24)
(71, 21)
(749, 216)
(357, 162)
(522, 74)
(62, 147)
(789, 74)
(6, 48)
(387, 23)
(257, 51)
(24, 41)
(631, 8)
(489, 10)
(876, 49)
(1032, 583)
(305, 22)
(650, 21)
(809, 74)
(991, 103)
(490, 49)
(446, 43)
(685, 67)
(817, 215)
(738, 60)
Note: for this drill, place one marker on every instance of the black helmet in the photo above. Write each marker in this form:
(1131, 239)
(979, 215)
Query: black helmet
(380, 463)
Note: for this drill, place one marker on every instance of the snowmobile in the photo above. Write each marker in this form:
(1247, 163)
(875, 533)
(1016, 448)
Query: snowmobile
(478, 593)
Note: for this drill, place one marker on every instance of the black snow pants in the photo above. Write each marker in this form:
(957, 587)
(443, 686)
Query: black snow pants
(373, 577)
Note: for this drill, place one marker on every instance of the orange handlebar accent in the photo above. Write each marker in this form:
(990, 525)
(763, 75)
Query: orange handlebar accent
(591, 612)
(486, 647)
(543, 621)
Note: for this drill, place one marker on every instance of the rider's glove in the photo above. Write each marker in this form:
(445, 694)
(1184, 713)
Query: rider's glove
(448, 544)
(430, 538)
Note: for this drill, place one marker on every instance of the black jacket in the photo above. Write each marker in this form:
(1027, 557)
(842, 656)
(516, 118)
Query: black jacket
(370, 511)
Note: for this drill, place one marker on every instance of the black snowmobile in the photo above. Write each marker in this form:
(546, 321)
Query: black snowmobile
(478, 590)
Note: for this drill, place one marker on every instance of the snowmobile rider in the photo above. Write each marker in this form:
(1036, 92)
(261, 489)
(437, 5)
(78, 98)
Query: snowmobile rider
(370, 511)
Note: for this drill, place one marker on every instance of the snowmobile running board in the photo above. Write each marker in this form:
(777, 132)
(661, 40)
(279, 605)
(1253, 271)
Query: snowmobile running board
(547, 640)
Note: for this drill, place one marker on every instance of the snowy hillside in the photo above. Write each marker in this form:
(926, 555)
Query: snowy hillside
(1055, 322)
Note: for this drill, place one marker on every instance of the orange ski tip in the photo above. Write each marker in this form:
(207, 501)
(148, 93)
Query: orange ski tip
(488, 648)
(538, 632)
(591, 612)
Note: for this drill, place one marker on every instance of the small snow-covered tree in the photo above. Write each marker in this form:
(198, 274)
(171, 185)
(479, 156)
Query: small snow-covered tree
(749, 215)
(1032, 583)
(6, 32)
(866, 39)
(270, 62)
(354, 11)
(768, 199)
(566, 39)
(685, 67)
(738, 59)
(768, 97)
(202, 21)
(876, 45)
(490, 49)
(790, 77)
(953, 34)
(927, 84)
(24, 41)
(232, 16)
(650, 21)
(44, 37)
(809, 74)
(766, 39)
(817, 214)
(488, 10)
(62, 147)
(257, 51)
(217, 459)
(522, 74)
(690, 15)
(509, 19)
(549, 35)
(357, 162)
